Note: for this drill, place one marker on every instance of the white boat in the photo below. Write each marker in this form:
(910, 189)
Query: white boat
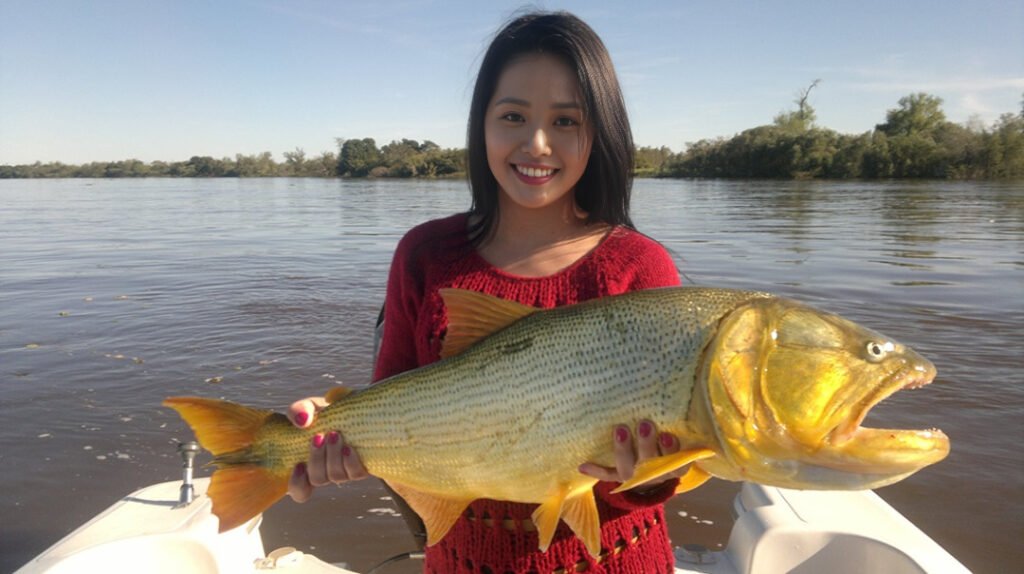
(776, 530)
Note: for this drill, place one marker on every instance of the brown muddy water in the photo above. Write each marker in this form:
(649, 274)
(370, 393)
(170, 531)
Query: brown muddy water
(116, 294)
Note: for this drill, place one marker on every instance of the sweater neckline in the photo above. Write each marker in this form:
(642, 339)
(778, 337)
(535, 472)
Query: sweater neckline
(568, 269)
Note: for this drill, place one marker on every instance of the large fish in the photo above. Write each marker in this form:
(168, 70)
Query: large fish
(756, 387)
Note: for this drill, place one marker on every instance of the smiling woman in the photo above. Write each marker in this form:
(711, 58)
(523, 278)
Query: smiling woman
(536, 137)
(550, 160)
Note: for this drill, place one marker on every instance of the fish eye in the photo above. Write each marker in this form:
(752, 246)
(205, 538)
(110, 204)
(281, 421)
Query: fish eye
(877, 350)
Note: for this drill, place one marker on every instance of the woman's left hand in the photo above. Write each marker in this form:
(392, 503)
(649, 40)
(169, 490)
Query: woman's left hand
(649, 443)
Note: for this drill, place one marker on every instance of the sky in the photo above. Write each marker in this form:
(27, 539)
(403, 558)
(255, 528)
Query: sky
(108, 80)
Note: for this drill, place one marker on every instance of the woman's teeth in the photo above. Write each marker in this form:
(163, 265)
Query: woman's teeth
(534, 172)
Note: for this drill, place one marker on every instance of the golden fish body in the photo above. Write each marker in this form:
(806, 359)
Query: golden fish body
(755, 388)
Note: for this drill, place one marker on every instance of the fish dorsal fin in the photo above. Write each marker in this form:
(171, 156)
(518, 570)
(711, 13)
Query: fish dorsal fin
(654, 467)
(337, 393)
(439, 514)
(573, 502)
(473, 316)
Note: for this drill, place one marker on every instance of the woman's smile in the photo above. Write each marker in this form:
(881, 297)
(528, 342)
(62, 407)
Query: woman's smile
(534, 175)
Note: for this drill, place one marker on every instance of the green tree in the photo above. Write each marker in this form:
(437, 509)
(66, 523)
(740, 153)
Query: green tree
(358, 157)
(295, 162)
(918, 113)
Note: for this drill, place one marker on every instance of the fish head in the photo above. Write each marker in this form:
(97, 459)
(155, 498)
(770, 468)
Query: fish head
(787, 388)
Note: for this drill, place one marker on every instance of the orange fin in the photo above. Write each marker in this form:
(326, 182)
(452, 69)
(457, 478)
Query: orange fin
(241, 492)
(242, 486)
(546, 518)
(220, 426)
(473, 316)
(579, 511)
(694, 477)
(337, 393)
(575, 504)
(438, 514)
(654, 467)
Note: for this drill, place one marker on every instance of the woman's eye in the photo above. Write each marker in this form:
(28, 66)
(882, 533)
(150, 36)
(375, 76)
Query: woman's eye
(512, 117)
(566, 122)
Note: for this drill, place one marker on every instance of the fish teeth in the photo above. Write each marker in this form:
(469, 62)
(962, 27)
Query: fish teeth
(533, 171)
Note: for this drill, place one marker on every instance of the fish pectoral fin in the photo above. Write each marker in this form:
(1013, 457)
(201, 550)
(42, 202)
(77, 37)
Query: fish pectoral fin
(654, 467)
(473, 316)
(694, 477)
(439, 514)
(573, 502)
(337, 393)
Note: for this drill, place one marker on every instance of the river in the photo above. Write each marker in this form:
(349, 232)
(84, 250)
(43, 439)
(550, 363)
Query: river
(117, 293)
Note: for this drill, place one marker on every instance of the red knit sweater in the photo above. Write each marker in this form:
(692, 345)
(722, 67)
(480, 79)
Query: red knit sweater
(496, 536)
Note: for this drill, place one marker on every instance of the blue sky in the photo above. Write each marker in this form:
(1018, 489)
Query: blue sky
(165, 80)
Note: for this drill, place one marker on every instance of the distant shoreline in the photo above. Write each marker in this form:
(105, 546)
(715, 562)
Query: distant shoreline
(915, 142)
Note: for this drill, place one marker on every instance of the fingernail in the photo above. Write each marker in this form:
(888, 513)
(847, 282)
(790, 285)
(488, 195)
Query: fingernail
(667, 440)
(332, 437)
(318, 440)
(301, 418)
(644, 429)
(300, 470)
(621, 434)
(346, 451)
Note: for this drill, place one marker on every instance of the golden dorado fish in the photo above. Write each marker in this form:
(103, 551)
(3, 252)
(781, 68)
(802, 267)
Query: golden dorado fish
(756, 388)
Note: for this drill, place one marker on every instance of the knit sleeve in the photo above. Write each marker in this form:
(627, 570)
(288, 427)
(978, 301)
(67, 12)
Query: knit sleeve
(638, 262)
(397, 352)
(657, 269)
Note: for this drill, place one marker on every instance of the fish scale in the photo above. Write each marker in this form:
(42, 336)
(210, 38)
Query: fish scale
(474, 403)
(528, 395)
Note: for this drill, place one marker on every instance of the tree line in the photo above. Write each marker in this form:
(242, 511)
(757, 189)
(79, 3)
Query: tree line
(915, 141)
(355, 158)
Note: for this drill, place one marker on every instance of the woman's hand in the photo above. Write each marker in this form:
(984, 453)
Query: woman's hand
(330, 459)
(649, 444)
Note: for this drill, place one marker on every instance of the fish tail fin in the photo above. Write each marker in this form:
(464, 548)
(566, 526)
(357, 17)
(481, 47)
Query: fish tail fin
(244, 484)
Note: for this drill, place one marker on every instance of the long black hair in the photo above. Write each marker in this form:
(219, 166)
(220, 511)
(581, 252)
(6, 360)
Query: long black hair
(604, 188)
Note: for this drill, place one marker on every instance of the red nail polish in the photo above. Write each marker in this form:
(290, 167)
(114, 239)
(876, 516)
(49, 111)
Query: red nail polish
(644, 429)
(332, 437)
(318, 440)
(346, 451)
(667, 440)
(301, 418)
(300, 469)
(621, 434)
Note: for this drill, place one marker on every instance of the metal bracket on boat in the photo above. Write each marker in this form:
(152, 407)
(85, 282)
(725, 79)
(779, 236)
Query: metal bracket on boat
(188, 452)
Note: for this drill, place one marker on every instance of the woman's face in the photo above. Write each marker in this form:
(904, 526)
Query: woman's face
(538, 141)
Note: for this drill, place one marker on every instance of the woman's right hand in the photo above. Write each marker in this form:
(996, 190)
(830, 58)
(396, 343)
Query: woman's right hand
(330, 459)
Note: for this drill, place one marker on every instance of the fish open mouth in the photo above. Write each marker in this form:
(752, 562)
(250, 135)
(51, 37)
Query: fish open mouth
(875, 450)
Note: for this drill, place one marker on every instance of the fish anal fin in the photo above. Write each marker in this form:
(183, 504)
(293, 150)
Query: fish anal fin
(574, 503)
(654, 467)
(694, 477)
(337, 393)
(579, 511)
(546, 517)
(240, 492)
(473, 316)
(439, 514)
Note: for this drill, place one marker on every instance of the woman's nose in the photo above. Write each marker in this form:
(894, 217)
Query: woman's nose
(537, 145)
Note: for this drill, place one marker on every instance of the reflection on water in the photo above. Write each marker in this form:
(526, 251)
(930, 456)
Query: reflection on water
(115, 294)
